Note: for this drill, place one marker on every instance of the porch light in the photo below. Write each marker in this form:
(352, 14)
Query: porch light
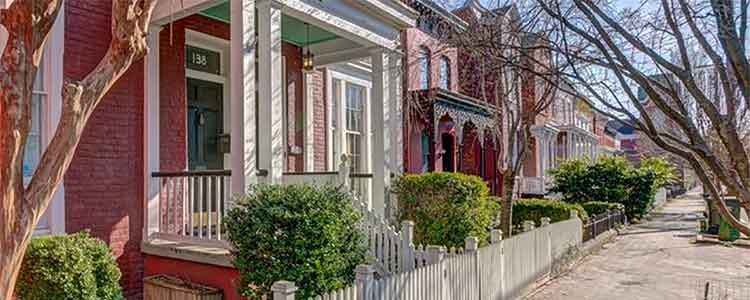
(307, 61)
(307, 57)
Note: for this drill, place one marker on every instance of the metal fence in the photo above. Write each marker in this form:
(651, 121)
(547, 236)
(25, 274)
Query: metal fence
(603, 222)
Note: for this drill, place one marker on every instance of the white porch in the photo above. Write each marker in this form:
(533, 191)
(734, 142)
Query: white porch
(192, 203)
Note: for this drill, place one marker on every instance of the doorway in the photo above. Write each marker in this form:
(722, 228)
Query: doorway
(449, 160)
(205, 124)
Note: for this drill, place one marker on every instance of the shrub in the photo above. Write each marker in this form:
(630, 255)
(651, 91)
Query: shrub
(301, 233)
(446, 207)
(580, 181)
(74, 267)
(597, 207)
(611, 179)
(535, 209)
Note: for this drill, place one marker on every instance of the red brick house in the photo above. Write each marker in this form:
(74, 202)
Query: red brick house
(447, 127)
(230, 94)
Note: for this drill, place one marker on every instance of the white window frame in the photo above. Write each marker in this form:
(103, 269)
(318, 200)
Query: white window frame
(345, 79)
(50, 109)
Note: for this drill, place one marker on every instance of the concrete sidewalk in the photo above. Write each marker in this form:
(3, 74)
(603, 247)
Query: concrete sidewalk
(655, 260)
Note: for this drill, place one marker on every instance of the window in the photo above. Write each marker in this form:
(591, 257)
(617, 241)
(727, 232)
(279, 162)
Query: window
(33, 149)
(445, 73)
(45, 108)
(355, 96)
(424, 68)
(348, 123)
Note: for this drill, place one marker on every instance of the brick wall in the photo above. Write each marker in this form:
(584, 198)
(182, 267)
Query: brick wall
(414, 40)
(318, 82)
(104, 184)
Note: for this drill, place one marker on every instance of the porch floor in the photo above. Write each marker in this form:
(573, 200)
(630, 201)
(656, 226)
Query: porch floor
(208, 252)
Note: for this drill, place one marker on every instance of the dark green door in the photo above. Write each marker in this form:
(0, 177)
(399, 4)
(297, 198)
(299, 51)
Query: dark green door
(204, 100)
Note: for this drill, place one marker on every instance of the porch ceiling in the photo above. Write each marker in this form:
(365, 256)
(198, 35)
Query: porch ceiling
(292, 30)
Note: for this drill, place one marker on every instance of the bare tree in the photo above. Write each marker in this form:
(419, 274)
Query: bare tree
(660, 48)
(28, 23)
(512, 72)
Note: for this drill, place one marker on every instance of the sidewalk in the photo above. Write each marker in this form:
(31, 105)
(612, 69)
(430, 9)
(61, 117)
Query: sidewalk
(655, 260)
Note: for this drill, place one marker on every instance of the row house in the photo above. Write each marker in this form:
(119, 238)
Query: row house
(231, 93)
(235, 93)
(446, 125)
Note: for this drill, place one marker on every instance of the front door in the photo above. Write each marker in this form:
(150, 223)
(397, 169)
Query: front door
(204, 100)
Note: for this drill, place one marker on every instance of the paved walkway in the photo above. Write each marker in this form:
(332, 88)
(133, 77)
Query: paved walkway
(656, 260)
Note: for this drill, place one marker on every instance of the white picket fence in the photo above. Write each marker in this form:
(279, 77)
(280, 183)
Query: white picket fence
(504, 269)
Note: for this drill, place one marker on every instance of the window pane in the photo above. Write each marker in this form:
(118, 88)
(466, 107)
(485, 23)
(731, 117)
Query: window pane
(424, 69)
(39, 79)
(354, 104)
(354, 147)
(444, 73)
(33, 142)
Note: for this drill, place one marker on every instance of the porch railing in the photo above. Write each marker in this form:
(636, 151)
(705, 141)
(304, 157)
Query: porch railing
(532, 185)
(194, 203)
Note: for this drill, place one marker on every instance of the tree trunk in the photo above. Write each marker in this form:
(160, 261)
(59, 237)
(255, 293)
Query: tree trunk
(28, 23)
(506, 211)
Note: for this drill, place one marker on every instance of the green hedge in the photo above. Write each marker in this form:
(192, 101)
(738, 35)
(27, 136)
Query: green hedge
(446, 207)
(68, 267)
(535, 209)
(301, 233)
(611, 179)
(598, 207)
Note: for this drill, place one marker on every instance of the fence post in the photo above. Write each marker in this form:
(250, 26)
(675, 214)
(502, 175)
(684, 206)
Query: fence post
(283, 290)
(545, 221)
(364, 277)
(496, 235)
(407, 246)
(528, 226)
(435, 254)
(470, 244)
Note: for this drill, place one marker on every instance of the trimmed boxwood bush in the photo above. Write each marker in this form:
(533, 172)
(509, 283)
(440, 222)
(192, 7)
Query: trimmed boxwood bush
(535, 209)
(597, 207)
(446, 207)
(68, 267)
(302, 233)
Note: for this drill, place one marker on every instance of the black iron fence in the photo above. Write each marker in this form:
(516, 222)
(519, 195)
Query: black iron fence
(603, 222)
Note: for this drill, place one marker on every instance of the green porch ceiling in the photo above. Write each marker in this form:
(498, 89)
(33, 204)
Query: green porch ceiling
(292, 30)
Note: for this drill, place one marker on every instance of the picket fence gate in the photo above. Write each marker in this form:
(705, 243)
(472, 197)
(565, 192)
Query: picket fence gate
(504, 269)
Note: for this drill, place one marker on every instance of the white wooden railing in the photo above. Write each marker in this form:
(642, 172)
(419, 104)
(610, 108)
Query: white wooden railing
(193, 203)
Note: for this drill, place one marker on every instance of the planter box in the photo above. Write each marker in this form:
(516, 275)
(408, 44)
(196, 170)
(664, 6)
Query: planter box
(160, 287)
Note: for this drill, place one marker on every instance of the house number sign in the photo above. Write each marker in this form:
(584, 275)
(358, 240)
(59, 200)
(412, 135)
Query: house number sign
(203, 60)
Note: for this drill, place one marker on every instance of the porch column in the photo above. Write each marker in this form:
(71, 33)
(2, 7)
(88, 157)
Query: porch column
(394, 136)
(242, 94)
(270, 105)
(151, 132)
(380, 94)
